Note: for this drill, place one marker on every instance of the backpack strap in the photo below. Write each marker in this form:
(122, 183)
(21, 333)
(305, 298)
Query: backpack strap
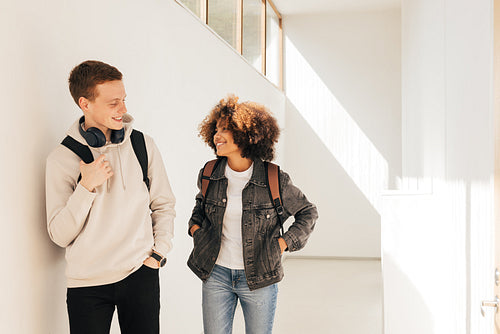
(208, 169)
(273, 184)
(80, 150)
(139, 146)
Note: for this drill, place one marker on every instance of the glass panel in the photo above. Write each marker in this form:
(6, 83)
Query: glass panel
(194, 6)
(252, 12)
(272, 46)
(222, 17)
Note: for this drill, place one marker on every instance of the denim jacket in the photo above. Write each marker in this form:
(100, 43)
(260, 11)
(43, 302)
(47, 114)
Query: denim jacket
(260, 225)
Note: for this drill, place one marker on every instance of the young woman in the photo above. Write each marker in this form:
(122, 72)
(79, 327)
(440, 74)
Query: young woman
(236, 231)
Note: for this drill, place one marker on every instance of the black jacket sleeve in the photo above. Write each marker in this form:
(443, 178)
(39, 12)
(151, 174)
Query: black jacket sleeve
(304, 212)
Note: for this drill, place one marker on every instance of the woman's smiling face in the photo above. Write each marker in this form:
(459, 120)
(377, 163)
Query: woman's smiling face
(224, 141)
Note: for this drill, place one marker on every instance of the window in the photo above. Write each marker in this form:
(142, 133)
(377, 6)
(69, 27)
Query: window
(194, 5)
(252, 32)
(223, 17)
(252, 27)
(273, 53)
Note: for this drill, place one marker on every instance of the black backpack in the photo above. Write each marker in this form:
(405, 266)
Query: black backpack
(138, 144)
(273, 184)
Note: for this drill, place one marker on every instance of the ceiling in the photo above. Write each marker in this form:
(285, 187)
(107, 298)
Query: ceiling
(293, 7)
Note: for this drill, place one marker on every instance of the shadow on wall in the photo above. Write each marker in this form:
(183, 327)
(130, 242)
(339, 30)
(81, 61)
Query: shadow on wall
(349, 225)
(34, 287)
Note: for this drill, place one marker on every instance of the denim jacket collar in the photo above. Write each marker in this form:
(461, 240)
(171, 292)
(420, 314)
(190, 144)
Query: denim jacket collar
(258, 176)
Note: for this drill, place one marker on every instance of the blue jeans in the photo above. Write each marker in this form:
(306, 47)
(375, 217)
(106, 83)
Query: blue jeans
(220, 295)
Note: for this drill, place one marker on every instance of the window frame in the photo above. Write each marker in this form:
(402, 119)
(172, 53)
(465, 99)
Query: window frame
(205, 7)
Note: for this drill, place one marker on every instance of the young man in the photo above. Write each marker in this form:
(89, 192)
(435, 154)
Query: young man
(115, 230)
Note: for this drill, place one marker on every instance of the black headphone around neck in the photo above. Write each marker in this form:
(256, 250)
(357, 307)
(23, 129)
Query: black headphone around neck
(95, 138)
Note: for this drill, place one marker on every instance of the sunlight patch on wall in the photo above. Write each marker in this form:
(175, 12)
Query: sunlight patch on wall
(339, 132)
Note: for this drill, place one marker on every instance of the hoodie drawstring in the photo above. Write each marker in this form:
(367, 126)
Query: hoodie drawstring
(108, 181)
(121, 167)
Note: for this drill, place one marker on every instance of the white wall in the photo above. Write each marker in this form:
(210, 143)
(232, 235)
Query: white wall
(437, 239)
(343, 121)
(174, 69)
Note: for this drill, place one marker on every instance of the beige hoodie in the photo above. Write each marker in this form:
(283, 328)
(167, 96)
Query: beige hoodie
(109, 233)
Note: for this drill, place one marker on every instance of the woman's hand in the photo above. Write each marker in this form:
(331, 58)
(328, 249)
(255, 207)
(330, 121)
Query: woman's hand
(283, 244)
(193, 229)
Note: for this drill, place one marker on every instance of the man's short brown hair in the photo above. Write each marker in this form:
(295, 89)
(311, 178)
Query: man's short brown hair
(84, 78)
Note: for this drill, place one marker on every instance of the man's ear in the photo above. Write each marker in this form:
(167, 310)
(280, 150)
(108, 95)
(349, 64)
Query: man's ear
(83, 103)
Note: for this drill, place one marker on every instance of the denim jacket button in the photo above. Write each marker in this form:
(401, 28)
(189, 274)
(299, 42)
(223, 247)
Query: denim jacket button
(268, 216)
(224, 200)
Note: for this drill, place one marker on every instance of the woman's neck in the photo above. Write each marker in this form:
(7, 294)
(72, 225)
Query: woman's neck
(238, 163)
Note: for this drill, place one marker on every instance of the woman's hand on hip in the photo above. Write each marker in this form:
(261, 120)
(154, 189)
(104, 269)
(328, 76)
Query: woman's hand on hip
(283, 244)
(193, 229)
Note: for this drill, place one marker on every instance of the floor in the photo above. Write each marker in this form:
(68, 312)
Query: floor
(327, 296)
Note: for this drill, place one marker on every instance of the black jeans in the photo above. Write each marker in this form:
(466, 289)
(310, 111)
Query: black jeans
(137, 299)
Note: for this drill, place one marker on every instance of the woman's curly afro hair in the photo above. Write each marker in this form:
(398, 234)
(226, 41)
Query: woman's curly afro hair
(254, 129)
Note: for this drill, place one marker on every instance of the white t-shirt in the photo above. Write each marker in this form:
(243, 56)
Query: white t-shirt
(231, 251)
